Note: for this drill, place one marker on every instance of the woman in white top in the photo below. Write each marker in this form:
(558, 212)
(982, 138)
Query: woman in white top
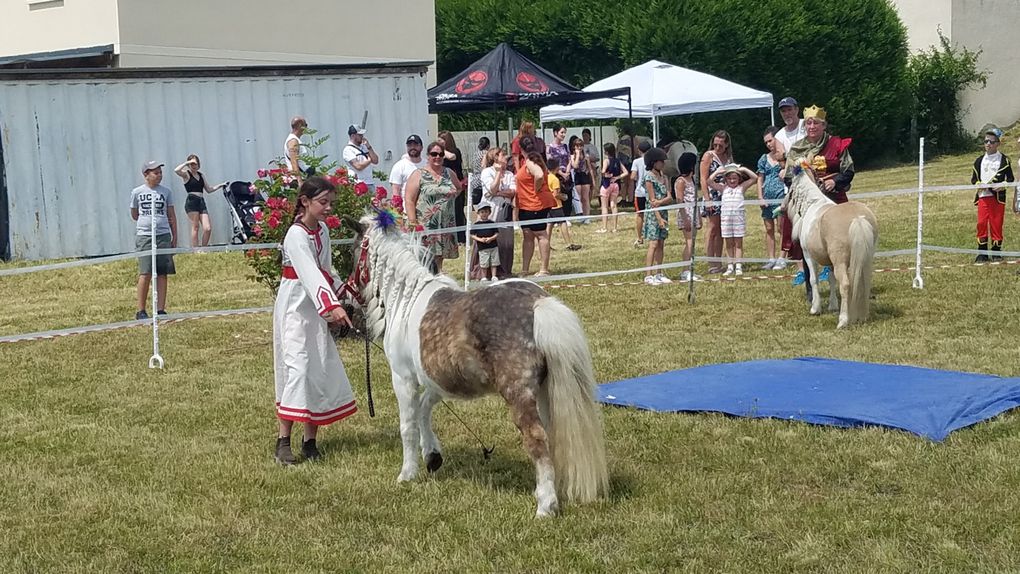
(292, 147)
(499, 187)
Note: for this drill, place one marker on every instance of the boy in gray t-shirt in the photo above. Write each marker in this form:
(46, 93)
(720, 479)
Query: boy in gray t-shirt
(151, 202)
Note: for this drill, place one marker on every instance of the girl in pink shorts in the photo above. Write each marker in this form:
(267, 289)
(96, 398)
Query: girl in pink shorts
(736, 180)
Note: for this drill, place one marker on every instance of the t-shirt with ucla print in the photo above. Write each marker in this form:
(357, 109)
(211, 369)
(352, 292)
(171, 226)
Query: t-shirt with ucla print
(148, 199)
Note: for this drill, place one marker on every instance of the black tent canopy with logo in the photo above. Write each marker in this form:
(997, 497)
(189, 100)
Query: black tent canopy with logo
(504, 79)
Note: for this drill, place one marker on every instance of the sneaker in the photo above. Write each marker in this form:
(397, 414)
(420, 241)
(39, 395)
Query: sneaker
(651, 280)
(739, 270)
(309, 451)
(729, 270)
(697, 278)
(981, 259)
(573, 247)
(161, 312)
(780, 264)
(638, 243)
(141, 315)
(824, 275)
(283, 454)
(714, 270)
(685, 276)
(798, 279)
(768, 265)
(483, 280)
(662, 279)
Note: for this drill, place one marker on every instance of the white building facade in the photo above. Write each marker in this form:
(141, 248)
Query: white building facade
(986, 25)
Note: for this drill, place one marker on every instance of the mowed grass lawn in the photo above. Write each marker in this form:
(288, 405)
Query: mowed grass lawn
(111, 467)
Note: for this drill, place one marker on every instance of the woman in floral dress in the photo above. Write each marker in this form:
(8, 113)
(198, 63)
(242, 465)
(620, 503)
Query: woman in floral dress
(432, 191)
(656, 227)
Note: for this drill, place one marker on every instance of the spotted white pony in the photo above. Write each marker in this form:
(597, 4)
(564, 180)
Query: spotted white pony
(510, 338)
(842, 236)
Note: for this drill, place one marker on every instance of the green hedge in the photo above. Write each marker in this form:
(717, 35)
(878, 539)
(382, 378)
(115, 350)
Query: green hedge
(850, 57)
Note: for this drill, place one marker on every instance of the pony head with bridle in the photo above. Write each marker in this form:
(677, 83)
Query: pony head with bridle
(390, 266)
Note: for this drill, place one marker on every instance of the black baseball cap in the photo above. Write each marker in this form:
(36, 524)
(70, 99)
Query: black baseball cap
(413, 139)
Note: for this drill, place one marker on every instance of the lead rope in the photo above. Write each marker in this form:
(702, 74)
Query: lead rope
(486, 451)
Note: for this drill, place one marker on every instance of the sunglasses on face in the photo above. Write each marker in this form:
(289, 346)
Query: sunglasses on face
(436, 153)
(987, 142)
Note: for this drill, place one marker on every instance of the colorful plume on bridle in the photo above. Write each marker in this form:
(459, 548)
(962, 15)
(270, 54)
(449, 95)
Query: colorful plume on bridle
(386, 218)
(802, 165)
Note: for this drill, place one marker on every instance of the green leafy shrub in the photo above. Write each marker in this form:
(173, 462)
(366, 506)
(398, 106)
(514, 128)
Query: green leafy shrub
(937, 77)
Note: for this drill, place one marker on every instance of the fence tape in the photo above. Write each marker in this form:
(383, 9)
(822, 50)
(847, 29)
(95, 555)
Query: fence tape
(172, 318)
(138, 254)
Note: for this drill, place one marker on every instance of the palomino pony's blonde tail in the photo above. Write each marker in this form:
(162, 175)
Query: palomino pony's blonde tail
(575, 421)
(863, 238)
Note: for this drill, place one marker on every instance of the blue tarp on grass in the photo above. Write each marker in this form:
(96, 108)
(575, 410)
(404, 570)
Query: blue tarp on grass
(928, 402)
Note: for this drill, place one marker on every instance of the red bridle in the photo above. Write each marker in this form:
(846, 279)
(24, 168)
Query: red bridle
(359, 275)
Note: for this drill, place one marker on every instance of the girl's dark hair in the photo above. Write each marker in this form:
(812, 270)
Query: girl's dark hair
(610, 149)
(537, 158)
(572, 142)
(483, 143)
(770, 131)
(556, 127)
(311, 188)
(437, 143)
(448, 143)
(686, 162)
(527, 144)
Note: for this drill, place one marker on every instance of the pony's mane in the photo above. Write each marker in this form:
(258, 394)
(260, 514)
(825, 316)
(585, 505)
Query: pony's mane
(399, 271)
(804, 192)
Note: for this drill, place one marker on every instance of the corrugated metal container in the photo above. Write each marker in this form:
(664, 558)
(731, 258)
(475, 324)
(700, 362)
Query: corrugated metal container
(73, 143)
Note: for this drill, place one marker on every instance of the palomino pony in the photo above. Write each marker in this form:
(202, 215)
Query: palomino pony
(510, 338)
(841, 236)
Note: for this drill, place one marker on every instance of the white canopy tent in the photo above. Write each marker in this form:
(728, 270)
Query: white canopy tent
(660, 89)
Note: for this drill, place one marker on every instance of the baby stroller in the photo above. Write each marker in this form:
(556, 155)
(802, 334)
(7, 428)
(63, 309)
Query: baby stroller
(243, 207)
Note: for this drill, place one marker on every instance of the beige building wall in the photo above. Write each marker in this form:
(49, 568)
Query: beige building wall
(260, 32)
(985, 25)
(31, 26)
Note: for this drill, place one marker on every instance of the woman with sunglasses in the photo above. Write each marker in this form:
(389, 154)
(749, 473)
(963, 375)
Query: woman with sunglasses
(718, 155)
(429, 197)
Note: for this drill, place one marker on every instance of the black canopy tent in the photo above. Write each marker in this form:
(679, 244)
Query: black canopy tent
(504, 79)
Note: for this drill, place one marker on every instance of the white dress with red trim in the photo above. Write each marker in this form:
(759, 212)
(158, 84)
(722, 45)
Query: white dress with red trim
(311, 384)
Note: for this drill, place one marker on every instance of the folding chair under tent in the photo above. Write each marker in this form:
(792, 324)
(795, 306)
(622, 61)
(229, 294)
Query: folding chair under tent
(660, 89)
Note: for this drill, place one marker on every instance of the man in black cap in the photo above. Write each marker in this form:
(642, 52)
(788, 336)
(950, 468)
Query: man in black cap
(359, 156)
(793, 127)
(407, 165)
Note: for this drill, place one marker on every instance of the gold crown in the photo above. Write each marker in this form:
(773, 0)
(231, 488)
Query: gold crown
(814, 112)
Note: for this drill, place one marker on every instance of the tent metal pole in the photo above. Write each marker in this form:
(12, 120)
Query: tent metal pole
(772, 114)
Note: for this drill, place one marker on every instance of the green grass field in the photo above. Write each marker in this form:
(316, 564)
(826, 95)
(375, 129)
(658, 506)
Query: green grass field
(111, 467)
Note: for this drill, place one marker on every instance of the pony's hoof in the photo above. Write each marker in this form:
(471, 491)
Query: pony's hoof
(433, 461)
(842, 324)
(406, 475)
(548, 511)
(816, 311)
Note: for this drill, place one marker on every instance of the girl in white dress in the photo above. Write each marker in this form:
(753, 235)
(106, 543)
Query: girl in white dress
(311, 384)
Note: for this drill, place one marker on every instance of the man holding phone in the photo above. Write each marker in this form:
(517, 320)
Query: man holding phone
(359, 156)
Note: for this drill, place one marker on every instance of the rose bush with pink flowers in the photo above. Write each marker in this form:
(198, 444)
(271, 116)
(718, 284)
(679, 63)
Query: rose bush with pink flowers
(279, 188)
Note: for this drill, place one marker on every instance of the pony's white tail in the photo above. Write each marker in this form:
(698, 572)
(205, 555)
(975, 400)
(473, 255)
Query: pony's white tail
(575, 421)
(863, 237)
